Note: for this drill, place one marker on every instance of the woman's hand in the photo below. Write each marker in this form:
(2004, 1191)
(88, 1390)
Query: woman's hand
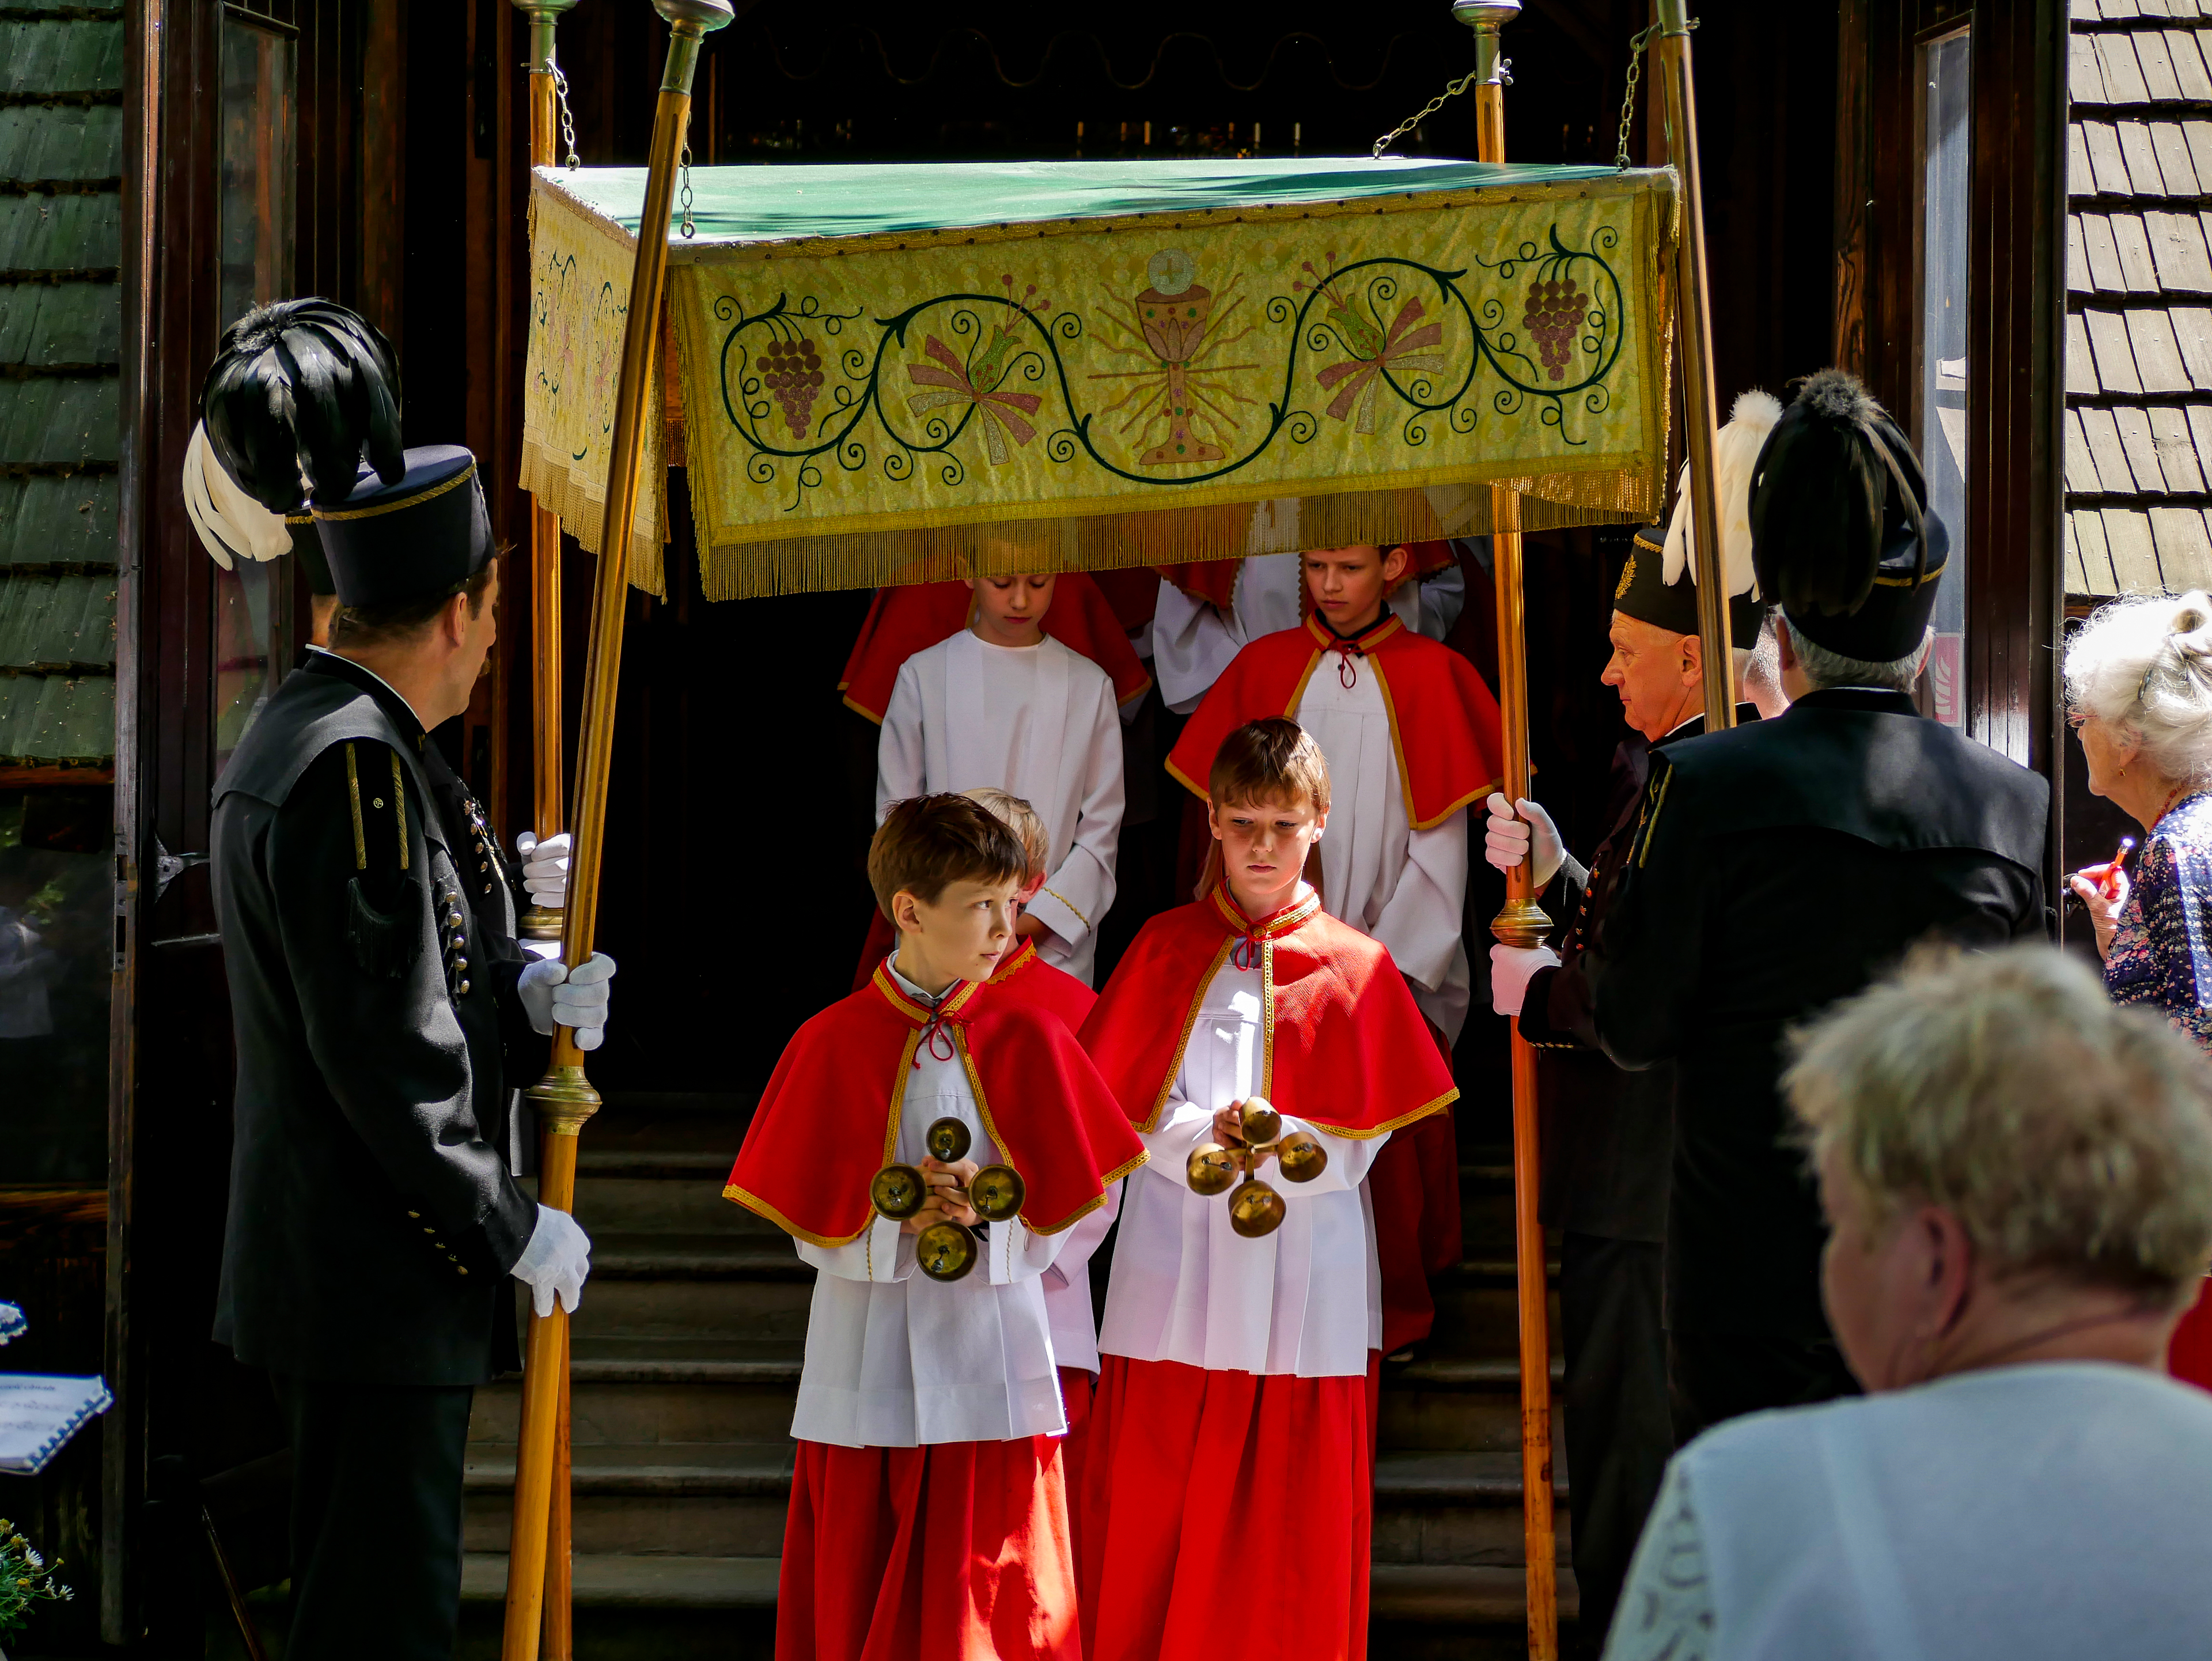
(2104, 890)
(948, 1195)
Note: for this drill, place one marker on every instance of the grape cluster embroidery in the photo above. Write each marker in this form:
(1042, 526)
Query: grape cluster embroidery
(792, 370)
(1553, 317)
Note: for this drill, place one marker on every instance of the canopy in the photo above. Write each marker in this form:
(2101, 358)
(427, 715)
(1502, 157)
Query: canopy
(908, 373)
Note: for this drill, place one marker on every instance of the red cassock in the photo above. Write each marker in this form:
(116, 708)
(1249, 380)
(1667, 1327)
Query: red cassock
(1191, 1471)
(956, 1551)
(2188, 1357)
(1445, 723)
(915, 615)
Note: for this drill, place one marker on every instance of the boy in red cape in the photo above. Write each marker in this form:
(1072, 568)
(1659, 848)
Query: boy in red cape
(1412, 737)
(928, 1511)
(1024, 978)
(1233, 1409)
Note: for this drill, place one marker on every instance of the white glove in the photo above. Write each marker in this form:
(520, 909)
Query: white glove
(1506, 839)
(545, 869)
(1511, 969)
(556, 1262)
(554, 995)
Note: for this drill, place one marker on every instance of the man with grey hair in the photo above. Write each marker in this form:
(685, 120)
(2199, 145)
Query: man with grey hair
(1783, 866)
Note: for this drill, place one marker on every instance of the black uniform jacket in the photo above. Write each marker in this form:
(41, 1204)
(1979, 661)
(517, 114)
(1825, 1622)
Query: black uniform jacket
(367, 935)
(1779, 867)
(1608, 1136)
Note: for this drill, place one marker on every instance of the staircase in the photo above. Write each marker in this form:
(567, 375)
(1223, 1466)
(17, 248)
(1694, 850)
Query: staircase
(686, 1358)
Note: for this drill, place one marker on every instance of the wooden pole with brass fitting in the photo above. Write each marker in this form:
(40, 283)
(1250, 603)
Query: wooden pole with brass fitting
(1693, 307)
(540, 922)
(1522, 923)
(564, 1098)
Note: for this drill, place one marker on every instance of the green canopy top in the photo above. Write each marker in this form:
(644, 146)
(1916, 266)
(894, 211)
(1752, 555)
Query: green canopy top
(747, 206)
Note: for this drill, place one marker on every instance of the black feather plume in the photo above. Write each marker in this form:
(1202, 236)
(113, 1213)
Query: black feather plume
(1818, 497)
(302, 390)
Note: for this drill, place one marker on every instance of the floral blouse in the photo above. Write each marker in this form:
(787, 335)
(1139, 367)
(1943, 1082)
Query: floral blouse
(2162, 950)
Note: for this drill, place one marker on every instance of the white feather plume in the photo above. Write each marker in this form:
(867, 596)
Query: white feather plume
(1735, 453)
(231, 524)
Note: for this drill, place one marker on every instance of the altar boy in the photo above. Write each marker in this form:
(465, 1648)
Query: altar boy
(1228, 1498)
(928, 1511)
(1003, 704)
(1411, 735)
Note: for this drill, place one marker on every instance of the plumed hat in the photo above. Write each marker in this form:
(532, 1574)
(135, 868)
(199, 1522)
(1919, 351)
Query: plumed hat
(1842, 535)
(1659, 584)
(300, 427)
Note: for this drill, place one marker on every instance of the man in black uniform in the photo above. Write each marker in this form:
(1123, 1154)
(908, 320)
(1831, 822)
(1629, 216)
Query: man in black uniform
(1607, 1136)
(382, 1008)
(1783, 866)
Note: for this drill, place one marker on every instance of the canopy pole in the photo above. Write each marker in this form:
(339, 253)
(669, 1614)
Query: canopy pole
(564, 1097)
(1522, 923)
(540, 922)
(1693, 306)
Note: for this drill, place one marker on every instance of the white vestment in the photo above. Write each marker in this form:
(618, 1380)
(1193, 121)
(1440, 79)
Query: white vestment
(1067, 1287)
(1192, 641)
(2041, 1512)
(1306, 1299)
(1404, 888)
(1038, 722)
(895, 1360)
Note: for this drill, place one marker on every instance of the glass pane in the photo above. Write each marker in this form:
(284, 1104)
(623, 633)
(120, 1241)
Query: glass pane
(253, 604)
(1946, 180)
(57, 946)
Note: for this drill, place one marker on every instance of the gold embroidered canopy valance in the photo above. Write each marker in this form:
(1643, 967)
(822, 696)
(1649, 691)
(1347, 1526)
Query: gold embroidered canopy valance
(896, 374)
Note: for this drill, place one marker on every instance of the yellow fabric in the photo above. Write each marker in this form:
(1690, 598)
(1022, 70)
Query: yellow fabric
(579, 283)
(1087, 394)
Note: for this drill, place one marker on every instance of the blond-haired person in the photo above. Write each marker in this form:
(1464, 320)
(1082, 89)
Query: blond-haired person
(2139, 685)
(2018, 1178)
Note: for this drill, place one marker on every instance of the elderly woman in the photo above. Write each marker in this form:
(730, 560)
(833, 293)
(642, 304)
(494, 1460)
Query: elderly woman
(2139, 682)
(2018, 1179)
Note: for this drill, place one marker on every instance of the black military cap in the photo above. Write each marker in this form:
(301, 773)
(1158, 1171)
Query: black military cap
(424, 536)
(1645, 594)
(1842, 534)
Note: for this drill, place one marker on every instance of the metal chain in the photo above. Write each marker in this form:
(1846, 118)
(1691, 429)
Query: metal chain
(1620, 161)
(690, 229)
(569, 159)
(1451, 91)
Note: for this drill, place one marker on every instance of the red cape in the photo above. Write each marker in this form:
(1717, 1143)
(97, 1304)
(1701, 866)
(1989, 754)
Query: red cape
(1443, 719)
(1026, 978)
(1347, 1048)
(829, 1120)
(1214, 580)
(914, 617)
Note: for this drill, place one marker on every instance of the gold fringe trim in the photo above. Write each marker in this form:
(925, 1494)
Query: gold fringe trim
(1166, 536)
(1399, 1122)
(562, 490)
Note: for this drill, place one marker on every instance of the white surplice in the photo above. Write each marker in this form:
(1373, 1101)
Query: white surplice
(1039, 721)
(1404, 888)
(1306, 1299)
(1192, 641)
(1067, 1304)
(895, 1360)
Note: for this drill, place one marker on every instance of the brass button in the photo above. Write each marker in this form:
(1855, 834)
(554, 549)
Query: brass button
(464, 988)
(426, 1229)
(460, 964)
(415, 1214)
(460, 1268)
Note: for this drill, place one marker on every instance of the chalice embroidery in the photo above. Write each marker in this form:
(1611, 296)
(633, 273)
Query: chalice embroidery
(1254, 1207)
(1176, 327)
(947, 1251)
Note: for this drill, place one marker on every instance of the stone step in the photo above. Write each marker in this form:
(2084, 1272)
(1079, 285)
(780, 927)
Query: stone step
(625, 1391)
(679, 1608)
(1460, 1404)
(648, 1204)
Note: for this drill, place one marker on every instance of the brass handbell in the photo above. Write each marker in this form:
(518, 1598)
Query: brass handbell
(1255, 1209)
(946, 1250)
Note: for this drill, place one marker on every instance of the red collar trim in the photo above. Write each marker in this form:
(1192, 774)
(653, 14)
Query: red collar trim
(1364, 641)
(1288, 921)
(954, 1000)
(1012, 966)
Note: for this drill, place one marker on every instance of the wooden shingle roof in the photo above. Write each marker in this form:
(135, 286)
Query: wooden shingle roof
(61, 210)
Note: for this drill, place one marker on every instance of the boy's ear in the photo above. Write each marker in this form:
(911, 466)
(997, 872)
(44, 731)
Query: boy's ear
(1393, 566)
(970, 582)
(906, 916)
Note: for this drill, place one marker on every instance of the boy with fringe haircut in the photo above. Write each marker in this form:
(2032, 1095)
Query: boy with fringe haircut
(928, 1513)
